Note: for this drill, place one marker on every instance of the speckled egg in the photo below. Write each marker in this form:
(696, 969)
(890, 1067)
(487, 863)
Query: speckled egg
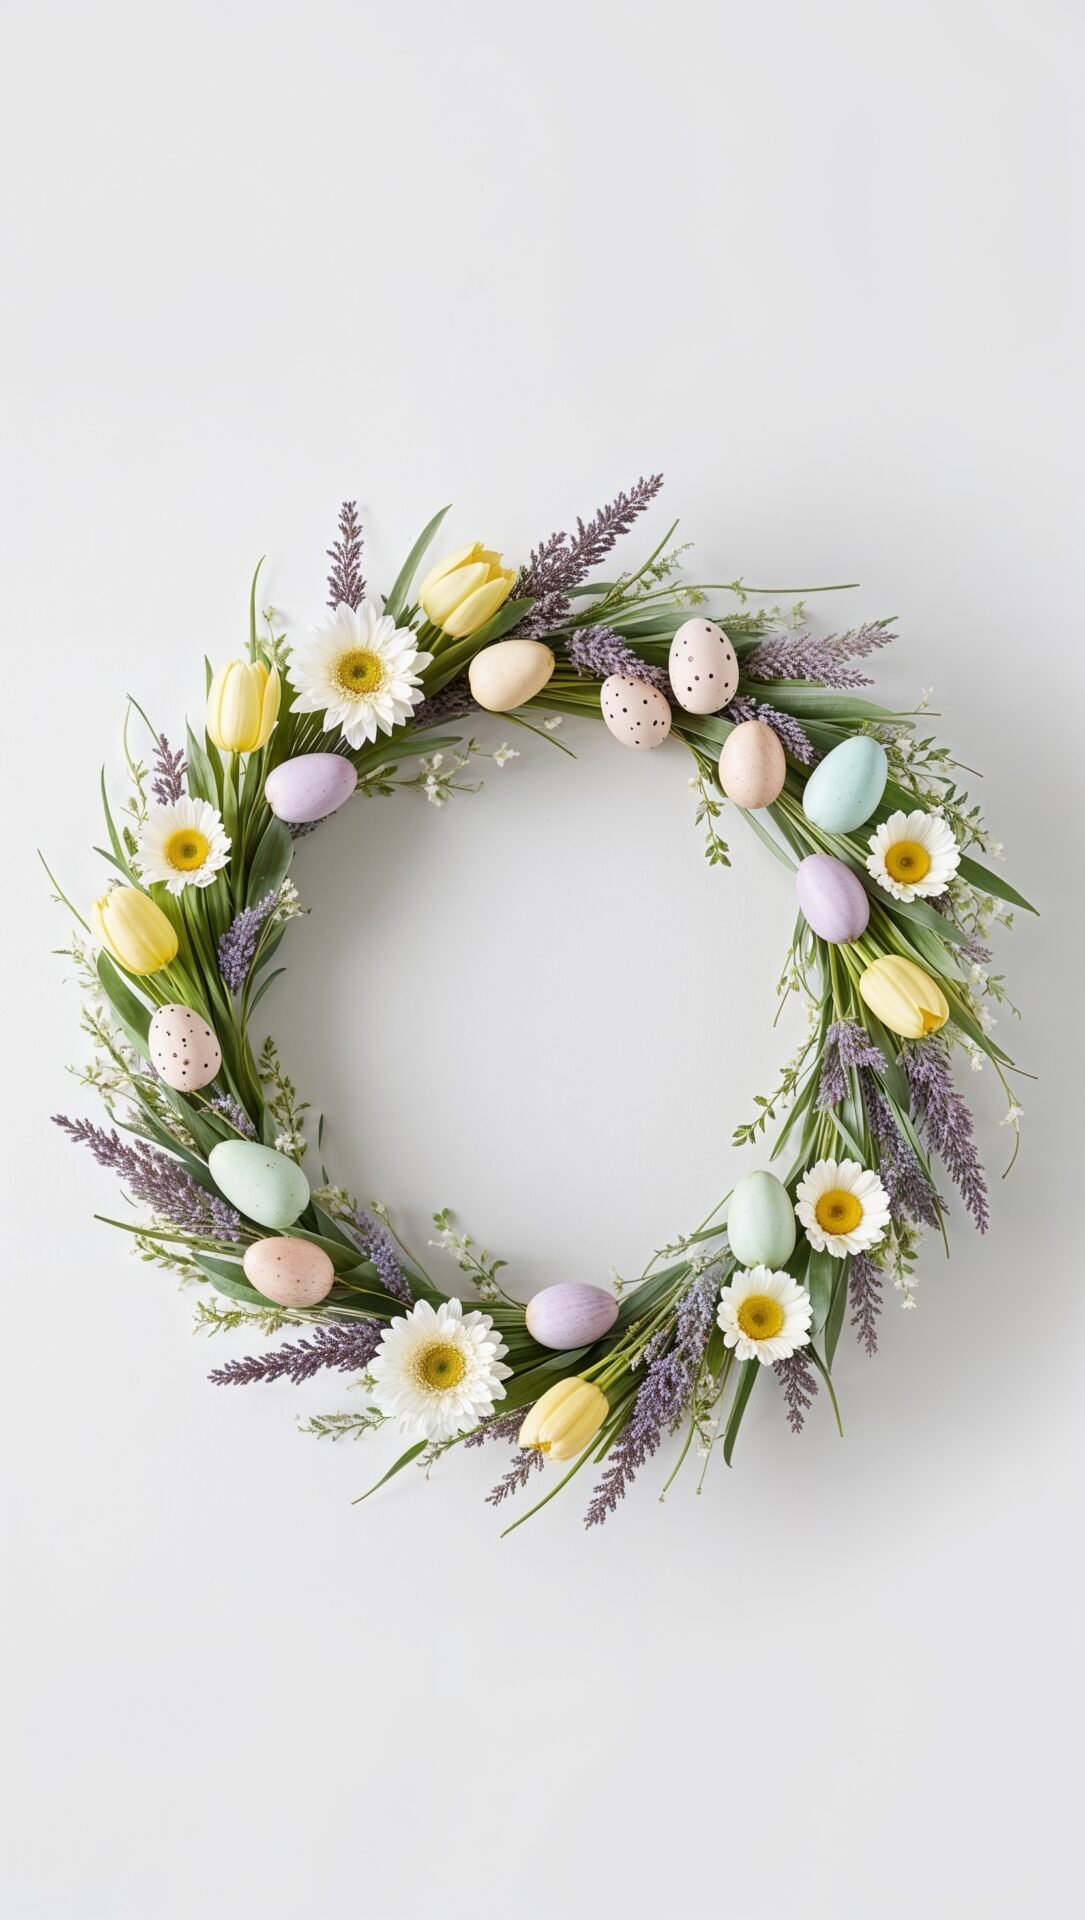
(263, 1184)
(310, 787)
(570, 1315)
(293, 1273)
(752, 766)
(635, 712)
(832, 897)
(846, 787)
(703, 667)
(761, 1222)
(183, 1048)
(509, 673)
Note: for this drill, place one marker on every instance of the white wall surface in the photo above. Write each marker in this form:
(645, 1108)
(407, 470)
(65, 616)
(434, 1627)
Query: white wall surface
(818, 263)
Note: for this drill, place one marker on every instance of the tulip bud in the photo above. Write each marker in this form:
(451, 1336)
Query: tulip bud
(568, 1416)
(465, 590)
(903, 997)
(133, 930)
(242, 706)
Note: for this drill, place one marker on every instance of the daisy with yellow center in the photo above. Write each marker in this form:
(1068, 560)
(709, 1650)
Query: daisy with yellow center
(764, 1315)
(360, 670)
(913, 856)
(842, 1207)
(438, 1371)
(183, 845)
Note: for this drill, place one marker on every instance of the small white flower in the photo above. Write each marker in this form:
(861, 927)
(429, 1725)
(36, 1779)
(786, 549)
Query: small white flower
(439, 1371)
(842, 1207)
(975, 1055)
(913, 855)
(977, 977)
(183, 845)
(360, 671)
(986, 1019)
(1012, 1116)
(505, 752)
(554, 722)
(764, 1315)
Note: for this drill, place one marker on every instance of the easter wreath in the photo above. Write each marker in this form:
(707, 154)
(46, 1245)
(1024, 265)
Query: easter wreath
(208, 1135)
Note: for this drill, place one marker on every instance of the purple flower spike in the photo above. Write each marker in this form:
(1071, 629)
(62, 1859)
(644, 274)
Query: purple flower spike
(160, 1182)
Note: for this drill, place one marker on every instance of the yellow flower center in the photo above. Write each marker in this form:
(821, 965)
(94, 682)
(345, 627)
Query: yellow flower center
(907, 862)
(187, 849)
(760, 1316)
(838, 1211)
(359, 671)
(441, 1365)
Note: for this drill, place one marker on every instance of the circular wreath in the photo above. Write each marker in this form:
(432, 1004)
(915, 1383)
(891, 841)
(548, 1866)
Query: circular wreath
(208, 1134)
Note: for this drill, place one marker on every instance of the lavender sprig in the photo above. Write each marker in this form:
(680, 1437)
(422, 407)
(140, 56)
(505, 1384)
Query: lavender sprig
(232, 1112)
(799, 1386)
(561, 562)
(865, 1299)
(237, 946)
(167, 774)
(600, 651)
(345, 582)
(847, 1045)
(664, 1396)
(786, 728)
(516, 1477)
(449, 703)
(806, 656)
(377, 1244)
(946, 1122)
(160, 1182)
(911, 1195)
(348, 1349)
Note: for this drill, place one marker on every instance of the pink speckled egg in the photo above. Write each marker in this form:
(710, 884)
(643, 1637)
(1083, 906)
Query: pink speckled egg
(703, 667)
(752, 765)
(184, 1051)
(570, 1315)
(832, 897)
(291, 1272)
(635, 712)
(310, 787)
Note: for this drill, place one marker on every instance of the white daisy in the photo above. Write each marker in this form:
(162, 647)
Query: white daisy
(438, 1372)
(360, 671)
(764, 1315)
(913, 855)
(183, 845)
(842, 1207)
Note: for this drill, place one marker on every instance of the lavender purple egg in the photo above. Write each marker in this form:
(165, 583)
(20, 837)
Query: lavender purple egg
(833, 898)
(570, 1315)
(310, 787)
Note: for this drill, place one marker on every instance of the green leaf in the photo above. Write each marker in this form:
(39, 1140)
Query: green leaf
(263, 987)
(133, 1016)
(227, 1276)
(819, 1285)
(397, 599)
(271, 861)
(120, 856)
(404, 1460)
(746, 1382)
(837, 1309)
(985, 881)
(201, 774)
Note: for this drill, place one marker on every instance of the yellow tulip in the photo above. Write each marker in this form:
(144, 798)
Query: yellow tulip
(133, 930)
(242, 706)
(569, 1414)
(465, 591)
(904, 998)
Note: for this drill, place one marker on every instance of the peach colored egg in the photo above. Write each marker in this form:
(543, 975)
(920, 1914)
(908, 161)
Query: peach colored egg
(184, 1051)
(291, 1272)
(703, 667)
(570, 1315)
(752, 765)
(635, 712)
(509, 673)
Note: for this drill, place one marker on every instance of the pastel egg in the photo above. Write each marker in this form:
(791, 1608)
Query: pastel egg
(703, 667)
(184, 1050)
(570, 1315)
(753, 766)
(832, 897)
(635, 712)
(293, 1273)
(761, 1222)
(264, 1185)
(510, 673)
(845, 789)
(310, 787)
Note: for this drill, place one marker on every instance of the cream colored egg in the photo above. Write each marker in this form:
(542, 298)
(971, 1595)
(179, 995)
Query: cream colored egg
(509, 673)
(184, 1051)
(752, 765)
(291, 1272)
(703, 667)
(635, 712)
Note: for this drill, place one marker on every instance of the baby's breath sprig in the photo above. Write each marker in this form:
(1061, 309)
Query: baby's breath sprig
(284, 1106)
(482, 1265)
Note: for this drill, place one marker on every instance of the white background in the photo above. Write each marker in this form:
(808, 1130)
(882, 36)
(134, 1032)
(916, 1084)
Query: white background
(817, 262)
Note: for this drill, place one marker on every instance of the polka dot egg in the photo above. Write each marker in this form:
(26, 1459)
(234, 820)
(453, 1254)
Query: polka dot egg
(703, 667)
(184, 1050)
(635, 712)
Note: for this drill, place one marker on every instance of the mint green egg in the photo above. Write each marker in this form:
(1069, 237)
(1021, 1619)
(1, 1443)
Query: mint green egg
(263, 1184)
(761, 1222)
(846, 787)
